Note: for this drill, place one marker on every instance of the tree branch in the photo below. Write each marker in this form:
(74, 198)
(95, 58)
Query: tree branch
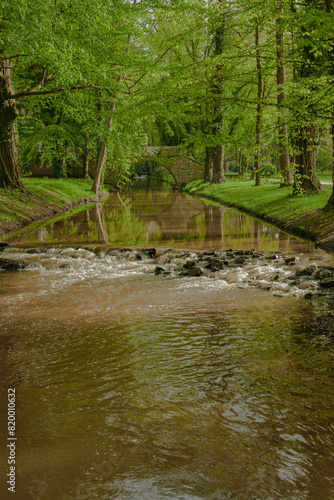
(28, 93)
(156, 62)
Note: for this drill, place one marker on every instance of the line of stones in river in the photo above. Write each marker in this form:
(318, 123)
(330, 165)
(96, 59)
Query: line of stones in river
(263, 270)
(273, 267)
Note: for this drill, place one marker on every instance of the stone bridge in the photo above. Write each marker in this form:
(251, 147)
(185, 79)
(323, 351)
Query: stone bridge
(174, 159)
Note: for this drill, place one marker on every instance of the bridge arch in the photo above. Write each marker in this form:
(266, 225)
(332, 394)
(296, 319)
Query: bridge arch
(154, 160)
(182, 168)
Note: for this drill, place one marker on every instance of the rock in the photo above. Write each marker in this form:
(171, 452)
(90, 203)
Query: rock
(194, 271)
(241, 259)
(308, 295)
(291, 260)
(324, 272)
(306, 284)
(273, 257)
(265, 285)
(110, 251)
(215, 264)
(189, 264)
(139, 256)
(159, 270)
(327, 283)
(307, 271)
(3, 245)
(33, 250)
(149, 252)
(65, 265)
(209, 252)
(12, 265)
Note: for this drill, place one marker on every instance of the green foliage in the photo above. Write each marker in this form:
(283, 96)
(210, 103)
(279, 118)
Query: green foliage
(170, 76)
(268, 170)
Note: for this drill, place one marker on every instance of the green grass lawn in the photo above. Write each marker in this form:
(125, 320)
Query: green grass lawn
(269, 199)
(325, 176)
(42, 193)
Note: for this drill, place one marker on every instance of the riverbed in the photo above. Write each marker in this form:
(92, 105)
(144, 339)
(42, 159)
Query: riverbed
(134, 384)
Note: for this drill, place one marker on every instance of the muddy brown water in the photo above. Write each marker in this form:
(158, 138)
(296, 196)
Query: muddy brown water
(136, 386)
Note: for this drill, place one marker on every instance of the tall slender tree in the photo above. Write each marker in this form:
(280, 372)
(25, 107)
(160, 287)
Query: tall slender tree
(258, 126)
(283, 149)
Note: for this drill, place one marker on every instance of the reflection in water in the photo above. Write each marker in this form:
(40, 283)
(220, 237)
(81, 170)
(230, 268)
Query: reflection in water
(166, 218)
(102, 234)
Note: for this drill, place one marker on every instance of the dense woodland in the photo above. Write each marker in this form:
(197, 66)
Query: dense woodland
(248, 83)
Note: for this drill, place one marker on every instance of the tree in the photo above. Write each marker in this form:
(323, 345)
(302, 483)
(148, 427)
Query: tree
(330, 54)
(258, 109)
(57, 47)
(216, 152)
(10, 173)
(307, 70)
(284, 159)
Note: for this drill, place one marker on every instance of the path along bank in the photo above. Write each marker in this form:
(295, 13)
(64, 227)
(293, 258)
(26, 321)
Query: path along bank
(43, 199)
(302, 216)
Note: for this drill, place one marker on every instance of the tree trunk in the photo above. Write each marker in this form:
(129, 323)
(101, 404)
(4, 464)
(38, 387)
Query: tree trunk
(10, 172)
(218, 165)
(283, 151)
(306, 179)
(218, 87)
(244, 165)
(103, 154)
(208, 170)
(86, 162)
(305, 176)
(330, 204)
(257, 162)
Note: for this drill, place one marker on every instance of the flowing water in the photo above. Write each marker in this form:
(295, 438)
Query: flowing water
(135, 386)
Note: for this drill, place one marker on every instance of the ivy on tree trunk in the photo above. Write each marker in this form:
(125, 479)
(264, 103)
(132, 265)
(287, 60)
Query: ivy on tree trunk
(306, 179)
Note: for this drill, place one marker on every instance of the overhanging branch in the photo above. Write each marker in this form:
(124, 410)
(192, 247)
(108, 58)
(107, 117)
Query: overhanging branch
(23, 94)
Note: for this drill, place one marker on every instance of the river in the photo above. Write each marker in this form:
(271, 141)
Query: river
(132, 385)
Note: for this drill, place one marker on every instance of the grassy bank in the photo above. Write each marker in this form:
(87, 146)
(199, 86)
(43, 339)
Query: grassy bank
(325, 176)
(44, 198)
(301, 215)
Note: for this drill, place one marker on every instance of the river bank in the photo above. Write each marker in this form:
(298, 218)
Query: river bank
(301, 216)
(44, 199)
